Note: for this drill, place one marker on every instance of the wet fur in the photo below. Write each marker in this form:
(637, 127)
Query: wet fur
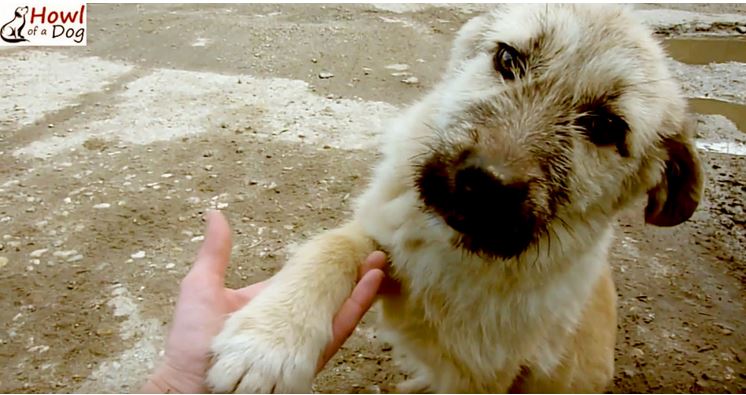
(541, 320)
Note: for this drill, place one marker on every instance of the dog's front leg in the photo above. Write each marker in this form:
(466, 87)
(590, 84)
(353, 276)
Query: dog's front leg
(274, 343)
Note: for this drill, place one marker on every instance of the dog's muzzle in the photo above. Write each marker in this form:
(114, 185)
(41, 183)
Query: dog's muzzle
(492, 217)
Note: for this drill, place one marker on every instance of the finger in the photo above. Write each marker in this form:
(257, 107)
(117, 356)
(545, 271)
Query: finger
(244, 295)
(379, 260)
(376, 260)
(215, 252)
(352, 311)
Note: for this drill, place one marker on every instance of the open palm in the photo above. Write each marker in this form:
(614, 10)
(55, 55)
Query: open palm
(205, 303)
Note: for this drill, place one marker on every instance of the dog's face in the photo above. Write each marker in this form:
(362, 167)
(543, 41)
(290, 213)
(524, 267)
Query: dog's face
(21, 11)
(550, 115)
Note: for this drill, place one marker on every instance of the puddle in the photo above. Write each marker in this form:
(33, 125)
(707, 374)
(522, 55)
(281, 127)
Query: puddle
(722, 147)
(706, 50)
(735, 112)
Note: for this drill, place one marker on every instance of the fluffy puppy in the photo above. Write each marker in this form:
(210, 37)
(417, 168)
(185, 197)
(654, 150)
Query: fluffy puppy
(496, 200)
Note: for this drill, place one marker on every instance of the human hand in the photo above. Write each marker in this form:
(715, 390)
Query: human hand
(205, 303)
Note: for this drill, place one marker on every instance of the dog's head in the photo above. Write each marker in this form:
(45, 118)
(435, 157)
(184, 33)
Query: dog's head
(555, 114)
(21, 11)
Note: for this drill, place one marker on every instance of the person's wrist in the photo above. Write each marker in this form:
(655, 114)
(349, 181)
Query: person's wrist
(168, 379)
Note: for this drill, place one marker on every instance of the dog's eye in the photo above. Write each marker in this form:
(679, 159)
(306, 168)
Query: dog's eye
(604, 128)
(507, 62)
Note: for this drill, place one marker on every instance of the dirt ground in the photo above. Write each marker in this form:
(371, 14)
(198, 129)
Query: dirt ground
(112, 152)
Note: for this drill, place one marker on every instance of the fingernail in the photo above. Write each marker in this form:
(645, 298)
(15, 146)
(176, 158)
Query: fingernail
(376, 255)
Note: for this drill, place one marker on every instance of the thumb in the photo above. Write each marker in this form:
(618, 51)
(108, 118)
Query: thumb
(215, 252)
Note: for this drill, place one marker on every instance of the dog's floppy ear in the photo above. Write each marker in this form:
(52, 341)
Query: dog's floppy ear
(675, 198)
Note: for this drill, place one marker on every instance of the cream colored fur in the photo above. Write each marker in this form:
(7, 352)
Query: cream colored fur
(542, 321)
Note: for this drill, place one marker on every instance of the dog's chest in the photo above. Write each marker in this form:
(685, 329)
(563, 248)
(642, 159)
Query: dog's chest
(477, 313)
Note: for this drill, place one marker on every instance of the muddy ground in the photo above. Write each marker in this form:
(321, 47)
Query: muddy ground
(111, 153)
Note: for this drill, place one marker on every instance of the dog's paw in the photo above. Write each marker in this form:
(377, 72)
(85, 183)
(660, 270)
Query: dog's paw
(248, 358)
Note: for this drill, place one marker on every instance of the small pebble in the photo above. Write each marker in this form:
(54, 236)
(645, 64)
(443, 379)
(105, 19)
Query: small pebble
(38, 253)
(198, 238)
(102, 205)
(398, 67)
(411, 80)
(76, 258)
(325, 75)
(64, 254)
(138, 255)
(104, 332)
(170, 265)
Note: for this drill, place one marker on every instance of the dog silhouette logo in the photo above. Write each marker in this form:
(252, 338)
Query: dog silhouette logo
(12, 32)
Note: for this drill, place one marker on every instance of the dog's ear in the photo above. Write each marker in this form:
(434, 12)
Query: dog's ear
(675, 198)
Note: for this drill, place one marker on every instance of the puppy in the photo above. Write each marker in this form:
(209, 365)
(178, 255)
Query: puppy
(496, 200)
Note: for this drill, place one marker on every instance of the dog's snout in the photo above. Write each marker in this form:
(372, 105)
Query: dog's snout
(486, 205)
(472, 181)
(481, 189)
(481, 194)
(477, 178)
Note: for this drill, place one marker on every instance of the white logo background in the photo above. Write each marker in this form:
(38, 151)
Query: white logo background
(43, 23)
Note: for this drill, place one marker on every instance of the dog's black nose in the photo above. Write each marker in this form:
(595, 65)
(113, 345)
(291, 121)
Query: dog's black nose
(492, 215)
(482, 194)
